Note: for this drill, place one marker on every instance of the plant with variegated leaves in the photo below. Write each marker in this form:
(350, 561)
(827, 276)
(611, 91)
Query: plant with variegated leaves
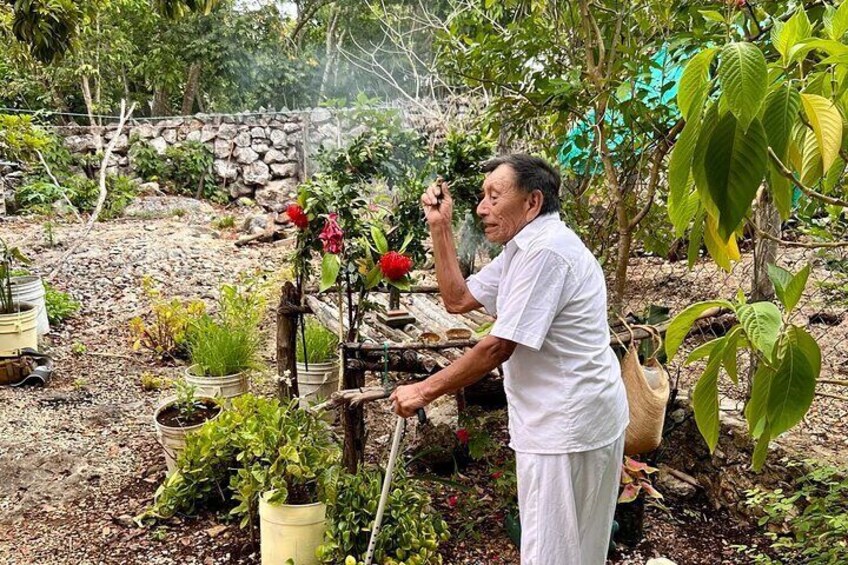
(758, 117)
(636, 479)
(787, 358)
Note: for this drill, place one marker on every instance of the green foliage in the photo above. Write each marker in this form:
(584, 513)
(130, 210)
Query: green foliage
(773, 113)
(165, 330)
(224, 222)
(8, 258)
(229, 342)
(186, 402)
(457, 160)
(258, 445)
(39, 194)
(321, 343)
(151, 382)
(808, 521)
(411, 530)
(185, 169)
(21, 139)
(788, 363)
(60, 305)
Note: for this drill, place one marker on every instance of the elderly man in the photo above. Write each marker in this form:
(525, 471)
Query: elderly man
(567, 404)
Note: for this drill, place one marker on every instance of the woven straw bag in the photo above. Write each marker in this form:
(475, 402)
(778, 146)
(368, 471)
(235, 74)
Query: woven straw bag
(647, 395)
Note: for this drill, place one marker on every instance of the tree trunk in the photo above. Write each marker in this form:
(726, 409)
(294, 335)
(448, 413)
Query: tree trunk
(191, 88)
(625, 242)
(286, 341)
(328, 52)
(160, 101)
(767, 219)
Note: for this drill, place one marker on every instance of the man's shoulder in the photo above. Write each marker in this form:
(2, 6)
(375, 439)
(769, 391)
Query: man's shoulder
(561, 240)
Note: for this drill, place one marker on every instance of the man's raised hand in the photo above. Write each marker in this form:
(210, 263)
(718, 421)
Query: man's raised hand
(437, 204)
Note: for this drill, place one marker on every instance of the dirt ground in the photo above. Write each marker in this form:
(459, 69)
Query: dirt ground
(79, 458)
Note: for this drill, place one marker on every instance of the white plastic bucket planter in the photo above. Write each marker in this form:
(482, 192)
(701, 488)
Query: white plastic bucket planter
(173, 439)
(290, 531)
(319, 382)
(29, 288)
(226, 387)
(19, 329)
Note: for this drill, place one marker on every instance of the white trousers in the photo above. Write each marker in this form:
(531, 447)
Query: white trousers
(566, 502)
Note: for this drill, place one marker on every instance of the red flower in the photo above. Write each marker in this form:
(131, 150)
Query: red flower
(452, 500)
(297, 216)
(462, 436)
(497, 475)
(395, 266)
(332, 235)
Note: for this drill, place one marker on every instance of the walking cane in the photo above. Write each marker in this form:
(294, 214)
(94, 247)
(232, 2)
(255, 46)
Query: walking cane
(387, 483)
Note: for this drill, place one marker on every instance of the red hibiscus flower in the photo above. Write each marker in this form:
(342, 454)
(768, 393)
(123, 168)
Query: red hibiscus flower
(395, 266)
(452, 500)
(462, 436)
(297, 216)
(332, 235)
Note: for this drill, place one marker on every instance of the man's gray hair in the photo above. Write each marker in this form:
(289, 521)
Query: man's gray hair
(532, 174)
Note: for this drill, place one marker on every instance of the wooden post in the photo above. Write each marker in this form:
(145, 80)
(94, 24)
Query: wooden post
(287, 313)
(353, 420)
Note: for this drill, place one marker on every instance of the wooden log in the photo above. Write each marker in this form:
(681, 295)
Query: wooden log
(286, 339)
(420, 289)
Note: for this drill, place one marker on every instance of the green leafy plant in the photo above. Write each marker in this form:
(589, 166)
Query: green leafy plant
(8, 257)
(151, 382)
(165, 330)
(228, 343)
(60, 305)
(185, 169)
(21, 138)
(411, 530)
(787, 357)
(808, 521)
(225, 222)
(321, 343)
(186, 402)
(258, 445)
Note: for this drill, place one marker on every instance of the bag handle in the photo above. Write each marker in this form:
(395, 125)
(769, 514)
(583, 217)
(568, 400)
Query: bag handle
(629, 330)
(656, 338)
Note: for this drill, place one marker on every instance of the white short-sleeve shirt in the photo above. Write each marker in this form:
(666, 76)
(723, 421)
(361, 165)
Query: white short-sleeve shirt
(563, 382)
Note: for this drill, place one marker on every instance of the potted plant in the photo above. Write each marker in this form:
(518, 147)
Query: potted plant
(18, 319)
(630, 511)
(223, 348)
(264, 459)
(29, 288)
(317, 362)
(177, 416)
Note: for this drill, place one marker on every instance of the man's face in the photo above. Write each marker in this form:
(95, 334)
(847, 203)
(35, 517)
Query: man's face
(505, 209)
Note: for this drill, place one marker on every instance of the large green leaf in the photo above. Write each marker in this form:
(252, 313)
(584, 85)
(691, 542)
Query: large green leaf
(833, 48)
(330, 266)
(729, 357)
(379, 240)
(787, 287)
(705, 398)
(786, 36)
(743, 75)
(699, 171)
(811, 163)
(826, 121)
(696, 235)
(781, 190)
(682, 213)
(679, 327)
(761, 322)
(779, 117)
(836, 22)
(679, 173)
(794, 384)
(693, 88)
(756, 409)
(758, 458)
(734, 166)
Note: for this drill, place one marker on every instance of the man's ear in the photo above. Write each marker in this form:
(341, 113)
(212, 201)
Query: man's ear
(535, 204)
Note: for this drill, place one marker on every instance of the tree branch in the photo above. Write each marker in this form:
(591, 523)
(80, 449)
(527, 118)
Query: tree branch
(801, 244)
(785, 172)
(654, 178)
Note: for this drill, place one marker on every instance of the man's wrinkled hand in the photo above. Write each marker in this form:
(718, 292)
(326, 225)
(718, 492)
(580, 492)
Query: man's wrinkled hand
(407, 399)
(437, 204)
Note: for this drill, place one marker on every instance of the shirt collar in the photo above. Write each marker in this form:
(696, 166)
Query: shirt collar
(529, 232)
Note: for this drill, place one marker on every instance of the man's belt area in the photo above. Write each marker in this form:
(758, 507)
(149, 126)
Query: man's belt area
(28, 367)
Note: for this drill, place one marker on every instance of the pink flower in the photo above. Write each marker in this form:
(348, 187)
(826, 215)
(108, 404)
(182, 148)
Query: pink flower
(452, 500)
(462, 436)
(395, 266)
(332, 235)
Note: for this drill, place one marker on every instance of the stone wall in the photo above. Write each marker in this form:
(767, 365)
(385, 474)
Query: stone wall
(259, 155)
